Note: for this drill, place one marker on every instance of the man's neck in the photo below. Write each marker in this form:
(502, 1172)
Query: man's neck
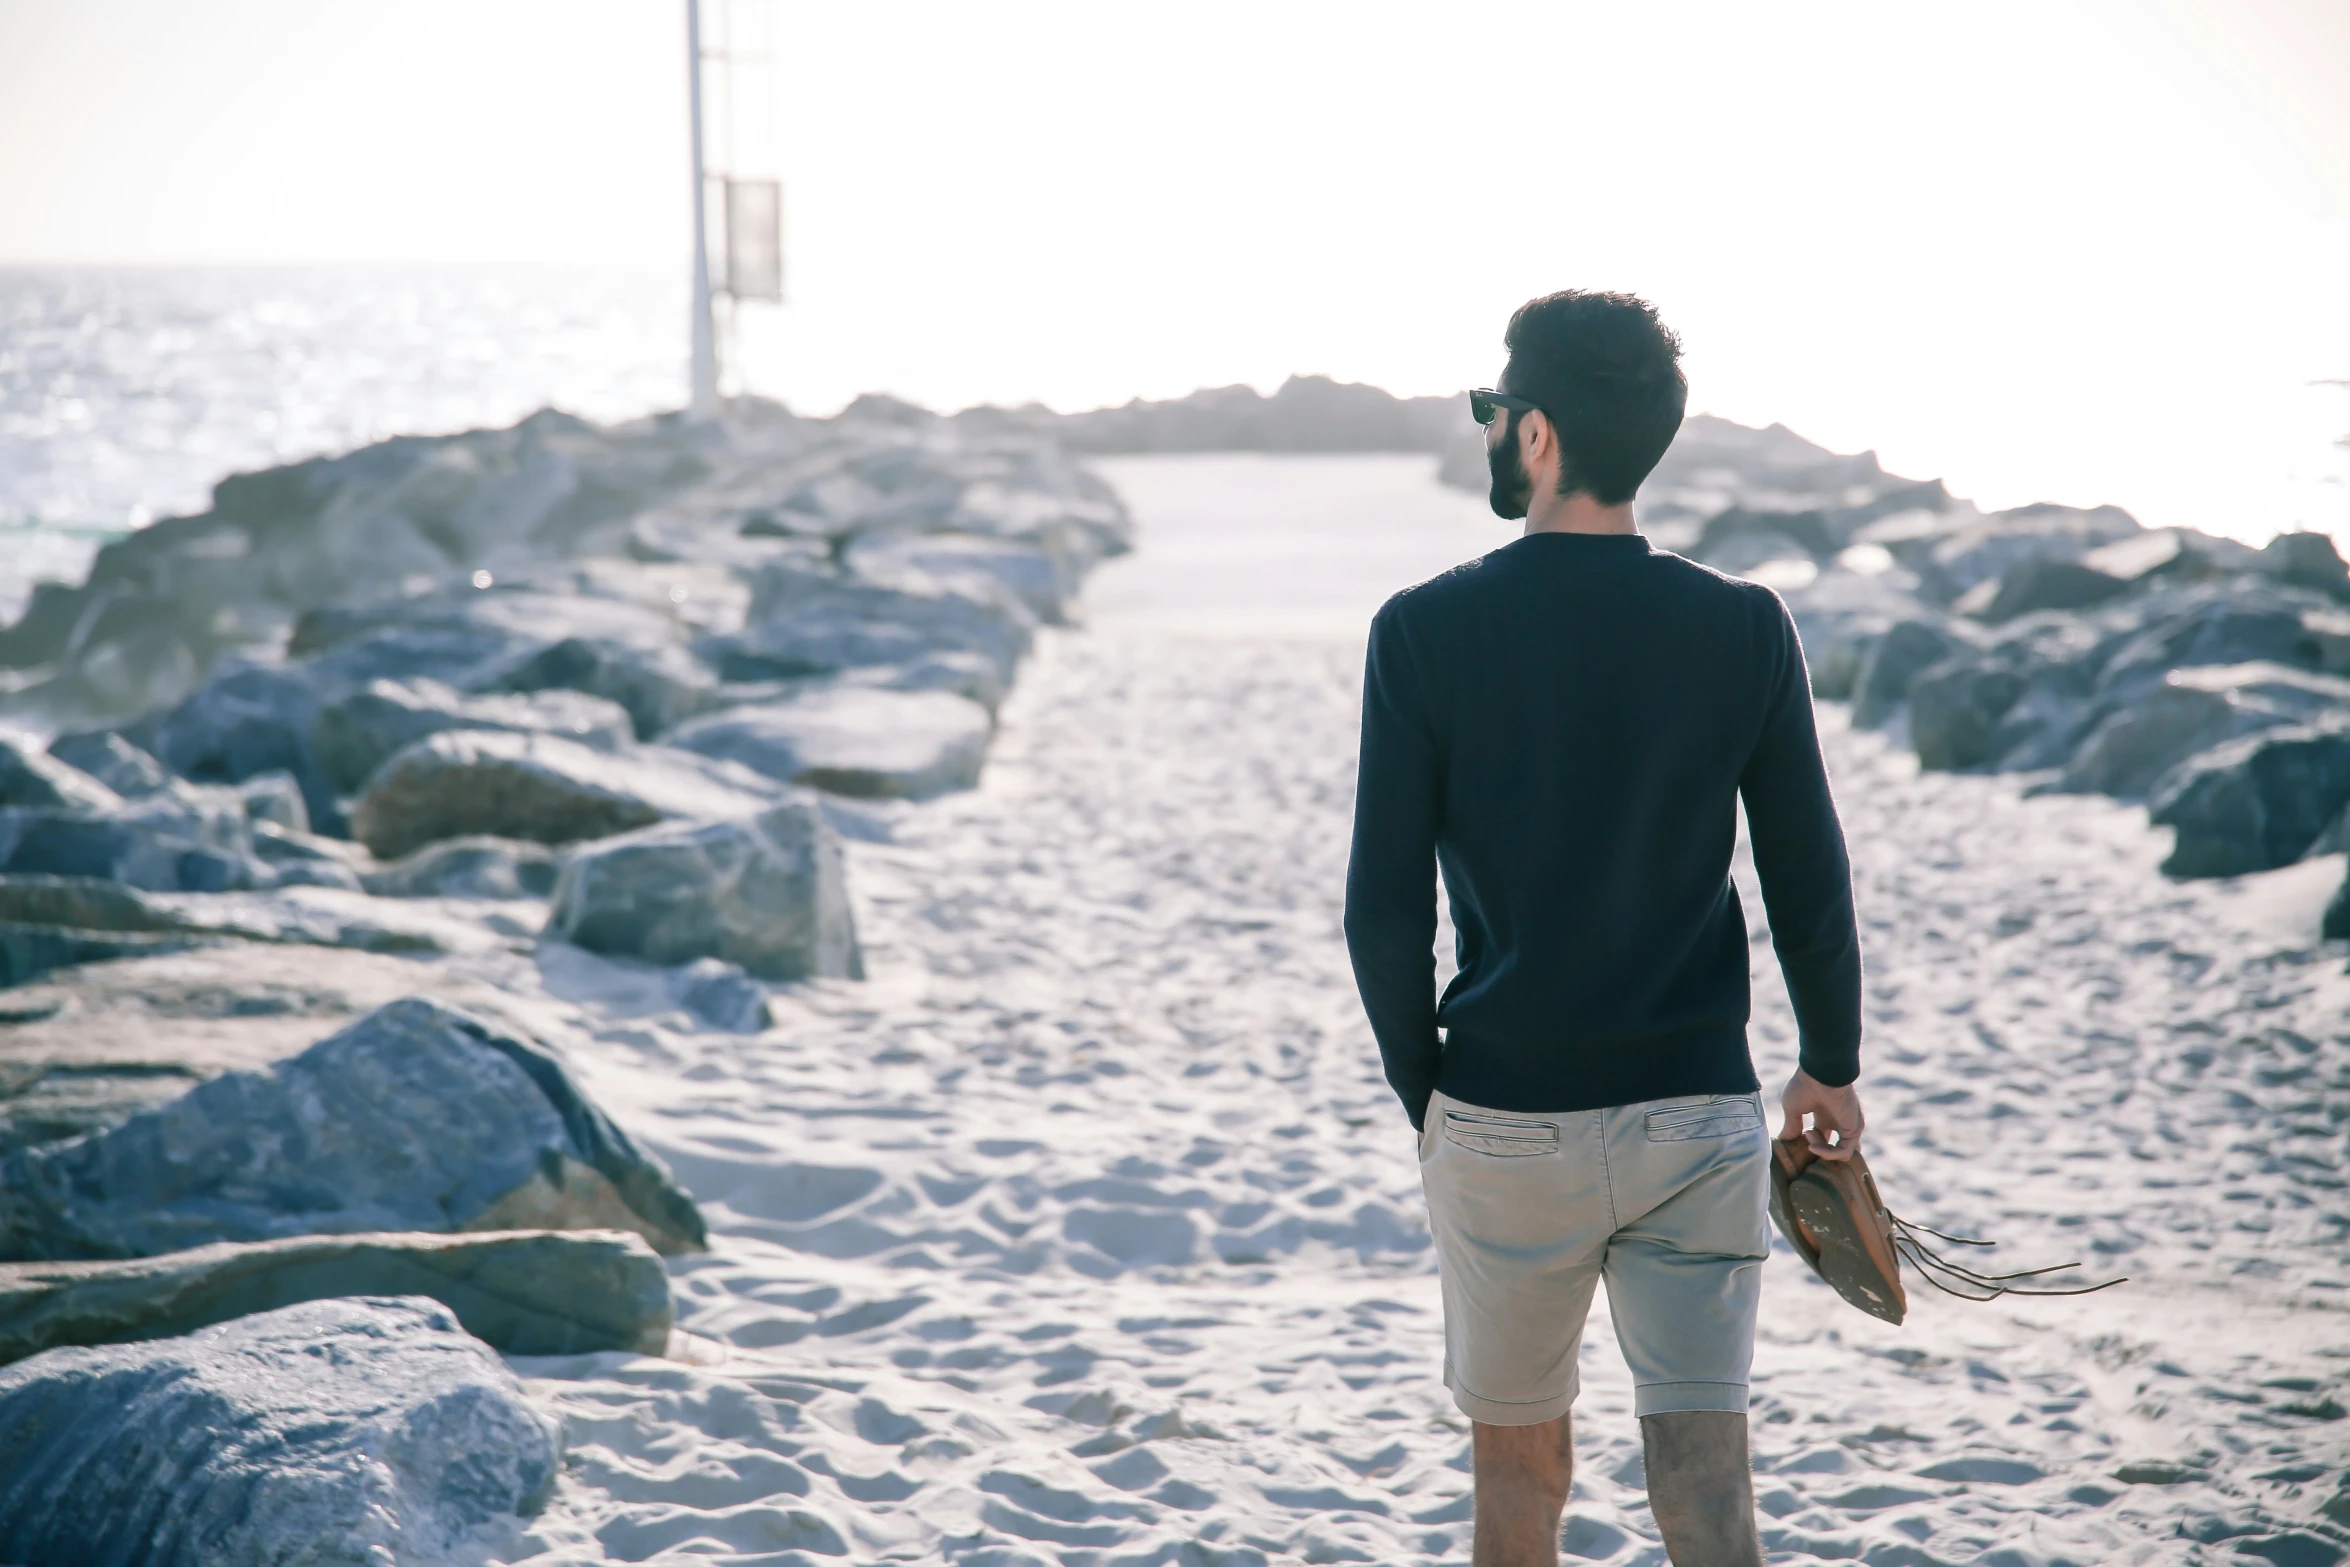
(1576, 513)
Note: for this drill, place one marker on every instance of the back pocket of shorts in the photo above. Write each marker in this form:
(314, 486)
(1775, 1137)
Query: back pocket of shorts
(1725, 1115)
(1500, 1136)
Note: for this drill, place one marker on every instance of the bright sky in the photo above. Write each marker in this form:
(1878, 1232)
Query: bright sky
(2086, 250)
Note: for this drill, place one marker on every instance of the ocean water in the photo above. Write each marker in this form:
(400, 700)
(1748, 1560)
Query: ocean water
(127, 393)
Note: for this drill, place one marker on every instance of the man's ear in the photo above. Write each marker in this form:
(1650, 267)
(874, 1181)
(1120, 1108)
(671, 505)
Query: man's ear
(1535, 437)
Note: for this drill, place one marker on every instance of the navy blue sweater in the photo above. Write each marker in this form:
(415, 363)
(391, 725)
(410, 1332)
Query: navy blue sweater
(1565, 727)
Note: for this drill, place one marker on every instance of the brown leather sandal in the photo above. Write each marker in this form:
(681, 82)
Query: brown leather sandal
(1830, 1212)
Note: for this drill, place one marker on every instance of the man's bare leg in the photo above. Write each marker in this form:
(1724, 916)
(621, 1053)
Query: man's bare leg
(1522, 1475)
(1700, 1487)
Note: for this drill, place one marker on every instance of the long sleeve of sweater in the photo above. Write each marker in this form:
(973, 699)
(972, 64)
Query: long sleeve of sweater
(1799, 856)
(1391, 872)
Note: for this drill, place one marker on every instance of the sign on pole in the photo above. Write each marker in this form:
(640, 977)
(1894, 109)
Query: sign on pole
(754, 239)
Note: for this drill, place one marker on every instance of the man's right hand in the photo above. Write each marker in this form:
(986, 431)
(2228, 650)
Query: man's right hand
(1833, 1111)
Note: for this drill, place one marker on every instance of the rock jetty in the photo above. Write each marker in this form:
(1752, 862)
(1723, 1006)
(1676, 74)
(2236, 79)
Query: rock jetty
(321, 754)
(2206, 678)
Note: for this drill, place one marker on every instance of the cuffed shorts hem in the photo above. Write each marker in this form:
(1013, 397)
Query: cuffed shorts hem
(1500, 1412)
(1681, 1398)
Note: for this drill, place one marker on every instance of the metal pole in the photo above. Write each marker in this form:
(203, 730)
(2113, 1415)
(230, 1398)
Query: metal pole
(705, 338)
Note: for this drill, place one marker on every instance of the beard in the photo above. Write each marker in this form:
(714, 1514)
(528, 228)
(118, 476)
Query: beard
(1513, 486)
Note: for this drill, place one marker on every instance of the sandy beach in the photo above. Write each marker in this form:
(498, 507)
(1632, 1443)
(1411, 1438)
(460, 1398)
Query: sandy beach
(1085, 1231)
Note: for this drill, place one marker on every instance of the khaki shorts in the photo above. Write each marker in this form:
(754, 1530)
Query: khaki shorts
(1667, 1200)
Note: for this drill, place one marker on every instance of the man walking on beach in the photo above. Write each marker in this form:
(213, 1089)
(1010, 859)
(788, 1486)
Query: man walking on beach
(1566, 727)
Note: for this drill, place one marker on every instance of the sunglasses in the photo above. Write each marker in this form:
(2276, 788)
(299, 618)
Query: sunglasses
(1485, 403)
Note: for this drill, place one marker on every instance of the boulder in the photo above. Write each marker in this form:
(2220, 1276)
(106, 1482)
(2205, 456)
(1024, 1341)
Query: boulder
(2194, 709)
(32, 778)
(184, 838)
(1738, 539)
(810, 623)
(301, 859)
(251, 719)
(2038, 582)
(1955, 706)
(86, 1048)
(338, 1433)
(541, 789)
(2172, 555)
(1906, 650)
(470, 867)
(767, 892)
(722, 995)
(416, 1117)
(524, 1292)
(658, 683)
(2207, 627)
(2307, 560)
(1841, 615)
(874, 744)
(89, 906)
(2256, 803)
(2335, 926)
(29, 951)
(963, 674)
(1985, 548)
(2329, 634)
(1039, 577)
(274, 798)
(112, 760)
(345, 652)
(357, 733)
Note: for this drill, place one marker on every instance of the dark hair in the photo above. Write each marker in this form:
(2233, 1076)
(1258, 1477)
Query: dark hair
(1608, 373)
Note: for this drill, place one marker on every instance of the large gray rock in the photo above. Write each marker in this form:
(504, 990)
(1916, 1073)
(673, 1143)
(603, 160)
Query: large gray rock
(1955, 707)
(274, 798)
(1040, 577)
(2194, 709)
(2335, 925)
(2256, 803)
(301, 859)
(1841, 615)
(656, 681)
(304, 916)
(767, 892)
(112, 760)
(183, 838)
(541, 789)
(1985, 548)
(811, 623)
(1740, 538)
(32, 777)
(2172, 555)
(86, 1048)
(49, 923)
(416, 1117)
(2215, 627)
(357, 733)
(1906, 650)
(525, 1292)
(338, 1433)
(2307, 560)
(472, 867)
(722, 995)
(2035, 583)
(29, 951)
(875, 744)
(251, 719)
